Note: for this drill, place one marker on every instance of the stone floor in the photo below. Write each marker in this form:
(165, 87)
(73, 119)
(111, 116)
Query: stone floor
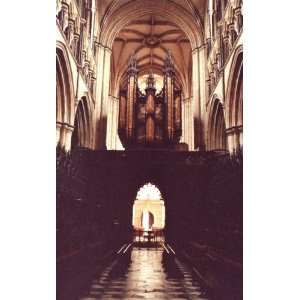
(146, 273)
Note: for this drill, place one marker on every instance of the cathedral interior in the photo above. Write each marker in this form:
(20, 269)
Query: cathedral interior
(149, 149)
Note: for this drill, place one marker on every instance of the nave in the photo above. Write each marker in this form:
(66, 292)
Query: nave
(96, 195)
(145, 273)
(149, 93)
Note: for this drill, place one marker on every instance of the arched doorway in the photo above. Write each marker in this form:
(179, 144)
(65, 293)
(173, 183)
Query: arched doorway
(148, 214)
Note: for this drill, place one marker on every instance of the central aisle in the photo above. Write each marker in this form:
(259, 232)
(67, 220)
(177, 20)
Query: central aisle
(146, 273)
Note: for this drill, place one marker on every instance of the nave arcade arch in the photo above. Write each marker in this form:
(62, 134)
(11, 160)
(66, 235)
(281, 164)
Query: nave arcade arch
(216, 126)
(234, 103)
(117, 18)
(82, 134)
(64, 98)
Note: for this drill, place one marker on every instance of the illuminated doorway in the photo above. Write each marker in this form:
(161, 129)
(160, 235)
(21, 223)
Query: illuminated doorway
(148, 214)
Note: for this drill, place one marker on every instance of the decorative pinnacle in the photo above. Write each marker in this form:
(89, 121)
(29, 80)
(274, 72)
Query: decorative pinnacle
(169, 64)
(132, 65)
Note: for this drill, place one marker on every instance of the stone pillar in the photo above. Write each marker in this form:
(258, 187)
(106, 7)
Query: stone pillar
(241, 138)
(230, 141)
(58, 127)
(234, 139)
(101, 97)
(196, 97)
(187, 123)
(65, 136)
(109, 123)
(112, 123)
(115, 123)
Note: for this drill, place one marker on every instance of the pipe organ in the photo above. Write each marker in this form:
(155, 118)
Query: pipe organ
(150, 119)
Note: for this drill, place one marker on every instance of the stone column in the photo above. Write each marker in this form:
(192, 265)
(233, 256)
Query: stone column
(187, 123)
(203, 93)
(230, 141)
(65, 136)
(241, 138)
(58, 127)
(101, 97)
(112, 123)
(109, 123)
(196, 98)
(68, 137)
(234, 139)
(115, 122)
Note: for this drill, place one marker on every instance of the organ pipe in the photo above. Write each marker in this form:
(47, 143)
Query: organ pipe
(150, 119)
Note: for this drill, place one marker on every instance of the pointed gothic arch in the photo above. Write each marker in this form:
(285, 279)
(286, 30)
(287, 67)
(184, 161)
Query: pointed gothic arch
(234, 103)
(82, 133)
(216, 126)
(64, 97)
(234, 94)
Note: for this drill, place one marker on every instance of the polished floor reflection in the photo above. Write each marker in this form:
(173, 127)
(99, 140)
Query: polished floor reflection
(146, 273)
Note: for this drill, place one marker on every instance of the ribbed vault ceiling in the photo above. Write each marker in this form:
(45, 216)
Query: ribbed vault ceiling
(195, 7)
(150, 37)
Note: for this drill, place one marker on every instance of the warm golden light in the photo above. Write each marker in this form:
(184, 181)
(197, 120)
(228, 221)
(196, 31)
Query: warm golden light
(146, 220)
(148, 210)
(148, 192)
(142, 81)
